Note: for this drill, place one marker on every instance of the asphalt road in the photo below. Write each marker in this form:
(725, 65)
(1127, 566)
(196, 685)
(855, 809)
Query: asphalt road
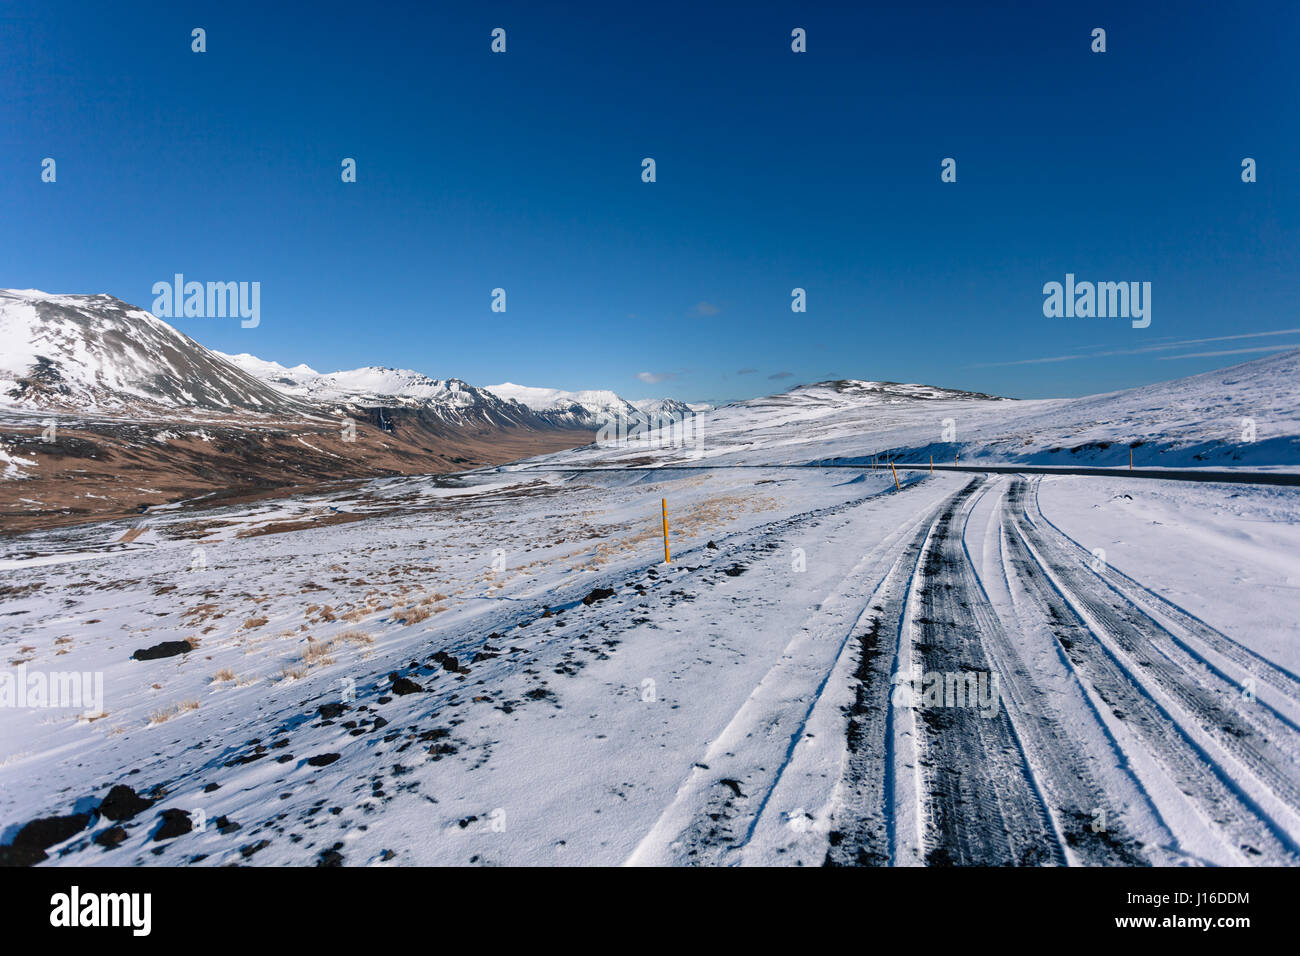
(1166, 474)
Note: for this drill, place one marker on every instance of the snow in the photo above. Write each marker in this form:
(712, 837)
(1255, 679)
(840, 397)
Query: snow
(1200, 421)
(596, 404)
(546, 399)
(1238, 549)
(95, 353)
(12, 465)
(700, 712)
(264, 369)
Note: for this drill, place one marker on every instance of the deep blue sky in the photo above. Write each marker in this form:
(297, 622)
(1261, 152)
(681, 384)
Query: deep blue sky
(775, 170)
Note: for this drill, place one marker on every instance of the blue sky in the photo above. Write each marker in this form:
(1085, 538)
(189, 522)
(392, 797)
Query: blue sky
(775, 170)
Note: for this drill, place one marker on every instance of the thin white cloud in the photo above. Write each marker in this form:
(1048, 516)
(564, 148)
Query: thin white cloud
(654, 378)
(1145, 349)
(1260, 348)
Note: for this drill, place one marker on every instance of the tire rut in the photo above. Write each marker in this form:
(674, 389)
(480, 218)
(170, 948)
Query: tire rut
(983, 806)
(1254, 836)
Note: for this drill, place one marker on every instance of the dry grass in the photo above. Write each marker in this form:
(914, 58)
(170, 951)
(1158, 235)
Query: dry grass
(317, 654)
(223, 676)
(167, 713)
(321, 653)
(201, 613)
(253, 622)
(353, 637)
(410, 615)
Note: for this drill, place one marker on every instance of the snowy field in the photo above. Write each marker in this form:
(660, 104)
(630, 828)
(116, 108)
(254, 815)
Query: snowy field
(499, 668)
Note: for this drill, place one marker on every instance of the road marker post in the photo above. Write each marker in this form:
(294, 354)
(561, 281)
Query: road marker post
(932, 464)
(668, 558)
(891, 468)
(1130, 458)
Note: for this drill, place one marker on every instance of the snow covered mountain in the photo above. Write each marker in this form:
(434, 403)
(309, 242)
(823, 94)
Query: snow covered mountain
(859, 393)
(146, 416)
(661, 408)
(95, 352)
(1244, 415)
(590, 403)
(452, 400)
(591, 406)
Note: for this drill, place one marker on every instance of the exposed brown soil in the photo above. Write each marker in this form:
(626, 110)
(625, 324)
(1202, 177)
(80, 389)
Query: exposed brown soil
(101, 469)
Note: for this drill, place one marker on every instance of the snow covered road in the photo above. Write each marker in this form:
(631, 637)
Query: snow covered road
(501, 670)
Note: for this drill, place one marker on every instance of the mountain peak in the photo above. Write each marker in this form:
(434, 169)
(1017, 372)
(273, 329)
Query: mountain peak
(98, 352)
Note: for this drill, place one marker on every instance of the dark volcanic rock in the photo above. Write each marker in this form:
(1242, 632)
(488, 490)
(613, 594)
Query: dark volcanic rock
(322, 760)
(447, 661)
(247, 851)
(597, 594)
(20, 856)
(165, 649)
(330, 711)
(44, 833)
(122, 803)
(174, 823)
(111, 838)
(331, 857)
(404, 685)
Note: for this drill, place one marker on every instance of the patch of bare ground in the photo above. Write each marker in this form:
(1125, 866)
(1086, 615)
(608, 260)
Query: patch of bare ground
(115, 468)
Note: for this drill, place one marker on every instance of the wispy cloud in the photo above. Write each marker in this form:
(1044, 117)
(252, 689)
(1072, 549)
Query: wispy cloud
(747, 371)
(1154, 348)
(779, 375)
(654, 378)
(1260, 348)
(706, 308)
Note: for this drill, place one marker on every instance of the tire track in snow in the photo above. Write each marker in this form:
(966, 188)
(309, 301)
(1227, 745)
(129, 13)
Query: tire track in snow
(718, 806)
(1181, 620)
(982, 804)
(1060, 763)
(864, 821)
(1261, 739)
(1062, 591)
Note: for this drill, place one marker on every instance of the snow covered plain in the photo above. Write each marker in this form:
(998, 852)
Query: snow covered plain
(498, 668)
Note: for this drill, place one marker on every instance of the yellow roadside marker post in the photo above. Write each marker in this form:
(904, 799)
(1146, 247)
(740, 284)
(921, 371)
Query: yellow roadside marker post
(1130, 459)
(932, 464)
(668, 558)
(891, 468)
